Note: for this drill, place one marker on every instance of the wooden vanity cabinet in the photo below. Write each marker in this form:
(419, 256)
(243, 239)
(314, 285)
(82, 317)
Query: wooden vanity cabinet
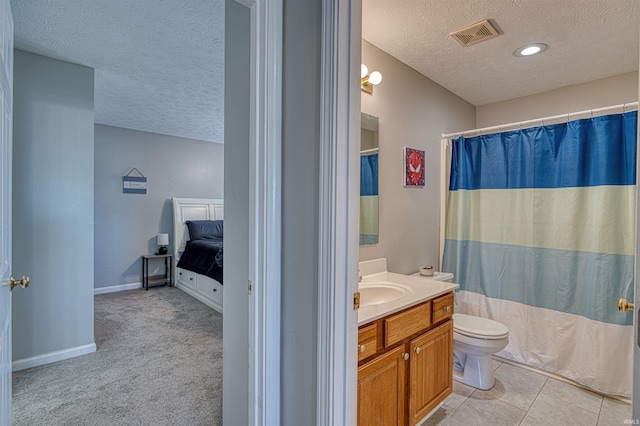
(431, 374)
(383, 380)
(411, 370)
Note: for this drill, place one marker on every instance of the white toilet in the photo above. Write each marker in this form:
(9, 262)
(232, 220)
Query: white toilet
(475, 339)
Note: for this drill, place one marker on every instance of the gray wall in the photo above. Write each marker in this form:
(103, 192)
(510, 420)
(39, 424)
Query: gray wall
(413, 112)
(235, 375)
(614, 90)
(300, 194)
(52, 205)
(126, 225)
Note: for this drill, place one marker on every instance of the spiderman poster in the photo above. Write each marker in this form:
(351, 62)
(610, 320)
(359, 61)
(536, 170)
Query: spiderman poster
(413, 167)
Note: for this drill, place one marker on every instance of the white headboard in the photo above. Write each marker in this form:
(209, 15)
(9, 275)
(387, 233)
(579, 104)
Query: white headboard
(185, 209)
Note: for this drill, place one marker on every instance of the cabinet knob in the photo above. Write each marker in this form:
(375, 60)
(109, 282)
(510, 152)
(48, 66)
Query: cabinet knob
(447, 309)
(361, 348)
(417, 350)
(215, 289)
(405, 356)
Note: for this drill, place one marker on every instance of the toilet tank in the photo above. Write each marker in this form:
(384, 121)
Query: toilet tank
(439, 276)
(443, 276)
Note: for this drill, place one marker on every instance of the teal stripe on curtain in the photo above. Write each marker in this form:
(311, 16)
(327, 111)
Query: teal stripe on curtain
(581, 283)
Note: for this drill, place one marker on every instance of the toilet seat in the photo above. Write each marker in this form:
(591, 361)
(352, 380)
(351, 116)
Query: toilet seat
(478, 327)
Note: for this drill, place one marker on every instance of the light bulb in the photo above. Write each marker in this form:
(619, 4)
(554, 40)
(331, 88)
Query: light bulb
(363, 70)
(530, 49)
(375, 78)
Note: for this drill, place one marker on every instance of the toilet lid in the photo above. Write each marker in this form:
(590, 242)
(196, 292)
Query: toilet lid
(482, 328)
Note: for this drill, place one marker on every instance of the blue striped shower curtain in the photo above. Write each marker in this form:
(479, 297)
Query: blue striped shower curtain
(540, 234)
(369, 199)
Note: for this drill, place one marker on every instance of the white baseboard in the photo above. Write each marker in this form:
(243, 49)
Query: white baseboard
(114, 288)
(36, 361)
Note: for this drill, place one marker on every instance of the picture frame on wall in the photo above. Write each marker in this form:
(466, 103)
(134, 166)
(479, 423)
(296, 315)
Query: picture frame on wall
(413, 168)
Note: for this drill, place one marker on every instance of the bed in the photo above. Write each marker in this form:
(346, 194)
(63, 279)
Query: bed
(198, 260)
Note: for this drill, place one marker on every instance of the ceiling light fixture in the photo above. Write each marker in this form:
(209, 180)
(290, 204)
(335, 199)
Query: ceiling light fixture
(530, 49)
(367, 81)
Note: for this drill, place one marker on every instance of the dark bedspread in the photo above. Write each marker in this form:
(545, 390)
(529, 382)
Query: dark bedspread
(199, 256)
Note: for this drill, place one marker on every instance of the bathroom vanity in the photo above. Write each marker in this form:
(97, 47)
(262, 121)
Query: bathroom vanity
(405, 349)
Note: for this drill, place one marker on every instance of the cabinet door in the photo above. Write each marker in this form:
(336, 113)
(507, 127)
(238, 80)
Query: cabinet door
(430, 370)
(381, 390)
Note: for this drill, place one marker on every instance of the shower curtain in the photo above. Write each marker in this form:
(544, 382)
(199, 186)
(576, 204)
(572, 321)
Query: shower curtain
(368, 198)
(540, 235)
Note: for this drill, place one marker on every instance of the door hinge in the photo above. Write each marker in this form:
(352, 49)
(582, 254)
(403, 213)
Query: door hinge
(356, 300)
(249, 287)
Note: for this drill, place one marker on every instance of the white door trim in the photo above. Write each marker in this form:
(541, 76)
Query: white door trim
(636, 315)
(265, 212)
(338, 212)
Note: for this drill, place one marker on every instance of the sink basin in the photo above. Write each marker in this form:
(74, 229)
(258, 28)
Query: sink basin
(377, 293)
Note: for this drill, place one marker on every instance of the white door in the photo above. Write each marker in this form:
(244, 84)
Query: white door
(6, 105)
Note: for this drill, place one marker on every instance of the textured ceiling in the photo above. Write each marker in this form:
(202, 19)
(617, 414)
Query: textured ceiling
(159, 65)
(588, 40)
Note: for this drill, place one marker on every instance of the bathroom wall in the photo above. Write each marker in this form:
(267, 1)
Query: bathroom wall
(605, 92)
(413, 112)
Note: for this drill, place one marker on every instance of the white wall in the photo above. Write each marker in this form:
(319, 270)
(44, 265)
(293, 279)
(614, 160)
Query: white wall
(126, 225)
(52, 205)
(615, 90)
(413, 112)
(235, 375)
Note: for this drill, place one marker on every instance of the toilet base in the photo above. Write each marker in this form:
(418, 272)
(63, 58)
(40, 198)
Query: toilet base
(477, 372)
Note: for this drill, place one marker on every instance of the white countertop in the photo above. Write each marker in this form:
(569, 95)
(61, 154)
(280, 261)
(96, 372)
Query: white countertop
(418, 288)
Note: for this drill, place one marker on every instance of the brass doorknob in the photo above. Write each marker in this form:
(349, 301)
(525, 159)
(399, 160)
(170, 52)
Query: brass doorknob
(22, 282)
(623, 305)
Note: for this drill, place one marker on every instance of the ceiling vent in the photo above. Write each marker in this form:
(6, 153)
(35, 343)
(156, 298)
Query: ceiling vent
(475, 33)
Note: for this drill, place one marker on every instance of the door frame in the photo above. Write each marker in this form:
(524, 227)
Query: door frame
(339, 212)
(338, 217)
(6, 158)
(265, 146)
(635, 393)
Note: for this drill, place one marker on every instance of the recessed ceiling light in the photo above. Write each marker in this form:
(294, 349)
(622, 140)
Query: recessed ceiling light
(530, 49)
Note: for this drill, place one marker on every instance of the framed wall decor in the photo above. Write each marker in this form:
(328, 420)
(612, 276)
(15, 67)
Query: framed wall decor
(134, 184)
(413, 167)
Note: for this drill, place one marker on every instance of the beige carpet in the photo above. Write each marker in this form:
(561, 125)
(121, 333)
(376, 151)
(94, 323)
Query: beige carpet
(158, 362)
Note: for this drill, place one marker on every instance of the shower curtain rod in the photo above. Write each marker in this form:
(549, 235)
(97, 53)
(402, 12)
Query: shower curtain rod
(630, 106)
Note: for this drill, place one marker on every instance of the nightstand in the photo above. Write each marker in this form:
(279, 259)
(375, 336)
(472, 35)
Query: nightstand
(157, 280)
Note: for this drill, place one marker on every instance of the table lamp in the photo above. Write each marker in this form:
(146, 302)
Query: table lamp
(163, 241)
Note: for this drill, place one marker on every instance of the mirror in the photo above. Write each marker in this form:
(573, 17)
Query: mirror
(368, 179)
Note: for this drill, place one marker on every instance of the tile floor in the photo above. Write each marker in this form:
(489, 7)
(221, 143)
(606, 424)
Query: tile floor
(523, 397)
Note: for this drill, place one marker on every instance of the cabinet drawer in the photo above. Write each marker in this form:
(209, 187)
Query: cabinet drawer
(210, 288)
(367, 341)
(187, 278)
(404, 324)
(442, 307)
